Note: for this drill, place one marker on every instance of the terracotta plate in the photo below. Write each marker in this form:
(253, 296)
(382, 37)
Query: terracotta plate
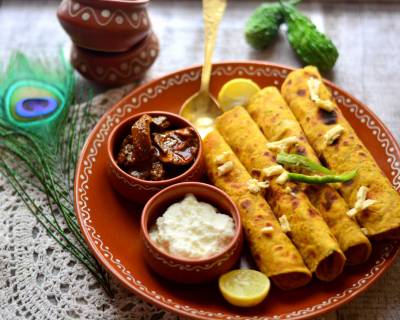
(111, 225)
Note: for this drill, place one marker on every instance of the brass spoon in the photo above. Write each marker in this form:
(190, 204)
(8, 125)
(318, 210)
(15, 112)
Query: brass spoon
(201, 109)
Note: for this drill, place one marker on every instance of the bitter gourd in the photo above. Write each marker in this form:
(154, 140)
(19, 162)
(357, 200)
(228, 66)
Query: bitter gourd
(263, 25)
(312, 46)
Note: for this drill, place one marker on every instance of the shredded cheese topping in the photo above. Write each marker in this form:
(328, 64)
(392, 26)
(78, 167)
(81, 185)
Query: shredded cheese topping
(352, 212)
(284, 224)
(273, 170)
(221, 159)
(267, 230)
(255, 186)
(313, 86)
(282, 145)
(224, 168)
(283, 178)
(365, 231)
(362, 202)
(333, 134)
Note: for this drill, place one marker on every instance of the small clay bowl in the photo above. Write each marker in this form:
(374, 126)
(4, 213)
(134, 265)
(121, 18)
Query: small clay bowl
(115, 69)
(105, 25)
(138, 190)
(187, 270)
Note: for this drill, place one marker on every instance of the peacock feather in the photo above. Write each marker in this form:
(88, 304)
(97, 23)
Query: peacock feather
(42, 129)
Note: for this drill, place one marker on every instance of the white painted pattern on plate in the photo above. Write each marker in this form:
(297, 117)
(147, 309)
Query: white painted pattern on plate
(228, 70)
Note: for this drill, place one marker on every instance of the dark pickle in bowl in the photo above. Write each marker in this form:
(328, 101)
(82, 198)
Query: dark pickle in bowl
(156, 150)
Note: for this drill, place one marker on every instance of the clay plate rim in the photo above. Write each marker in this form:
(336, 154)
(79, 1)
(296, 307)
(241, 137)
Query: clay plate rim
(151, 299)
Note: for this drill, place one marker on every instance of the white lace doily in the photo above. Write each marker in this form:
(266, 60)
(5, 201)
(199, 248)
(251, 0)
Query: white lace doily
(38, 280)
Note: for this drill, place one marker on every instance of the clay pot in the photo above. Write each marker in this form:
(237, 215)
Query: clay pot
(138, 190)
(105, 25)
(187, 270)
(114, 69)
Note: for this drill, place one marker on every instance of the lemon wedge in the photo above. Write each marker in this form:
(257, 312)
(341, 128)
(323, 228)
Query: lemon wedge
(236, 92)
(244, 288)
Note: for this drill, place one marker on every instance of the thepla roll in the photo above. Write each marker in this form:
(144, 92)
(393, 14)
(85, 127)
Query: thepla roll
(374, 202)
(271, 113)
(273, 252)
(305, 226)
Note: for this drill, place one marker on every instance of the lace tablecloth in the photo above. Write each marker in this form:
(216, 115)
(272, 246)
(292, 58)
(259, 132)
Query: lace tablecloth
(38, 280)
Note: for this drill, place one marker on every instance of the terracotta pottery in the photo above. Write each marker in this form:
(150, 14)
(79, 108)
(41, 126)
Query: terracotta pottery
(138, 190)
(105, 25)
(114, 69)
(111, 226)
(186, 270)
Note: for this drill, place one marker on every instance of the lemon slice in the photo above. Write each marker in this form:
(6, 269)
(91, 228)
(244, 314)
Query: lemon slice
(236, 92)
(244, 288)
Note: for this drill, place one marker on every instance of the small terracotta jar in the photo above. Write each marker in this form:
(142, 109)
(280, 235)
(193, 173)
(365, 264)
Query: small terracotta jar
(105, 25)
(115, 69)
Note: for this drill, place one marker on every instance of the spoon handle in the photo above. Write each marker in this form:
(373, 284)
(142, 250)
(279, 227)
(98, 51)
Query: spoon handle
(213, 10)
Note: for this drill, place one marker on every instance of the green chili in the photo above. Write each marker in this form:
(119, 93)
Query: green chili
(344, 177)
(301, 161)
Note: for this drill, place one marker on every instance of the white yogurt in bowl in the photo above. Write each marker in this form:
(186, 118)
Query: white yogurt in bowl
(192, 229)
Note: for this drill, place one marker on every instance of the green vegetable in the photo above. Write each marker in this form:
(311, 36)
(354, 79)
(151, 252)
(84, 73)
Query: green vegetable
(263, 25)
(312, 46)
(304, 162)
(301, 161)
(344, 177)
